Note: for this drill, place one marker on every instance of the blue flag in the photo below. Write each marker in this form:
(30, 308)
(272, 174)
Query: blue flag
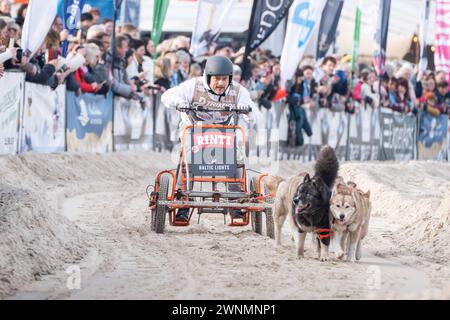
(71, 17)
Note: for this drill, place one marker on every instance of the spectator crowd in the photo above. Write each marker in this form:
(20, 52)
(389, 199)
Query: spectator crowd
(133, 73)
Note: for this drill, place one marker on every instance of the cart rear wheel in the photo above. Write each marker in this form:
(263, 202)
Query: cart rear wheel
(256, 216)
(270, 230)
(159, 217)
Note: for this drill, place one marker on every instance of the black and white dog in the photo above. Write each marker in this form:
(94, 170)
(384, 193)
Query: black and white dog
(305, 201)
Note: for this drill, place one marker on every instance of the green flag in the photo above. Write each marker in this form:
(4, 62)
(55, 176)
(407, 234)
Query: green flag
(355, 44)
(159, 15)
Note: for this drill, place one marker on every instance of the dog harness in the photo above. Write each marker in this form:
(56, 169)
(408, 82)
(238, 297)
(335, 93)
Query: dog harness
(322, 232)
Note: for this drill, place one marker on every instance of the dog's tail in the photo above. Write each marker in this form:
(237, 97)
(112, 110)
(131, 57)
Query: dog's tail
(327, 166)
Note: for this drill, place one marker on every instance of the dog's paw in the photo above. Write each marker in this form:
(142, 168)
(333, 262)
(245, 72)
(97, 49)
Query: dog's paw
(324, 259)
(350, 259)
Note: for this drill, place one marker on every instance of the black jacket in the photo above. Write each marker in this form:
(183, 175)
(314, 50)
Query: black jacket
(45, 74)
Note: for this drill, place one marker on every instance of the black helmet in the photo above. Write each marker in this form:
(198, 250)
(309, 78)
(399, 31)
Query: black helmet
(219, 66)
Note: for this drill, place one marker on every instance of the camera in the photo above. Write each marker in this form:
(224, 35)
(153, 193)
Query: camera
(139, 83)
(368, 100)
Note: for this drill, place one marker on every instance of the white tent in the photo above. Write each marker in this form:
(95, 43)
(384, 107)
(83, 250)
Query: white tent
(404, 22)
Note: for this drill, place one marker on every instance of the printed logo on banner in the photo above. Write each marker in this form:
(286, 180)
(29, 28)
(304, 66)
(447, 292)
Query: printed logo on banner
(10, 99)
(73, 12)
(432, 144)
(302, 17)
(89, 123)
(213, 152)
(397, 136)
(43, 125)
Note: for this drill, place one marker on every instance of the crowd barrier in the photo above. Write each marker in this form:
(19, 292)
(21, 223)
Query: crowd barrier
(35, 118)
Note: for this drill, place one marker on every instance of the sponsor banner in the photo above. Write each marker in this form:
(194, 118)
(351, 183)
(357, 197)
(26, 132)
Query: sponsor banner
(266, 16)
(43, 119)
(132, 11)
(398, 136)
(89, 123)
(11, 98)
(71, 18)
(356, 37)
(328, 26)
(133, 124)
(213, 152)
(38, 20)
(106, 8)
(364, 134)
(303, 22)
(159, 15)
(211, 16)
(432, 137)
(442, 37)
(329, 128)
(381, 35)
(424, 27)
(448, 144)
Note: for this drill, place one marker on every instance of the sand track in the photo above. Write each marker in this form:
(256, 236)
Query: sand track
(101, 201)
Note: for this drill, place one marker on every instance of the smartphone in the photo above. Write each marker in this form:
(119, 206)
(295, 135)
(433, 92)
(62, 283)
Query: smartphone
(64, 68)
(19, 54)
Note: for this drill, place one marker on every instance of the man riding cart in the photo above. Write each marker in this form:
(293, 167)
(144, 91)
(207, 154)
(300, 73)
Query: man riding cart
(212, 151)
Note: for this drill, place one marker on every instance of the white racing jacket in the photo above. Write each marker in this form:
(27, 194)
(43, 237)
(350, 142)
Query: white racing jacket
(197, 92)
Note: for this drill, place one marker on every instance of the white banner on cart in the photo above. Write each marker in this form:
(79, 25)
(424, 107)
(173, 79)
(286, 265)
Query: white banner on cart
(11, 96)
(43, 119)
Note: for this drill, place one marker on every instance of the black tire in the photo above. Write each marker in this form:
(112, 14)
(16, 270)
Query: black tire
(161, 210)
(153, 219)
(270, 229)
(256, 216)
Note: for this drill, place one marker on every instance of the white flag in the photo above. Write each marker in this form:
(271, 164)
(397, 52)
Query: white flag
(211, 15)
(304, 20)
(39, 19)
(424, 25)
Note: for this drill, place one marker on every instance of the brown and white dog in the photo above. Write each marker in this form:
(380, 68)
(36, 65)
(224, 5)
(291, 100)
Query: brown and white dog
(349, 218)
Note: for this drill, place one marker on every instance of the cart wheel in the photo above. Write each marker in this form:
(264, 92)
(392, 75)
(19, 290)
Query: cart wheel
(256, 216)
(153, 219)
(270, 230)
(159, 218)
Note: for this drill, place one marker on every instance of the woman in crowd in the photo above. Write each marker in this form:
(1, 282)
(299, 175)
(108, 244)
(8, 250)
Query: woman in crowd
(403, 103)
(163, 73)
(86, 76)
(21, 13)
